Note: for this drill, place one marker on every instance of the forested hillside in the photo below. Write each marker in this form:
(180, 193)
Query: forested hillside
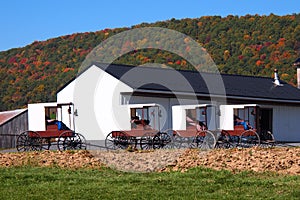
(250, 45)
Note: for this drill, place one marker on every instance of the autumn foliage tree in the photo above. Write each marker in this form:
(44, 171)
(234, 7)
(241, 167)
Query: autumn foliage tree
(249, 45)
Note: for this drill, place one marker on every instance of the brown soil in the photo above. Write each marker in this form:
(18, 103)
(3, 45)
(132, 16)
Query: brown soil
(62, 159)
(279, 160)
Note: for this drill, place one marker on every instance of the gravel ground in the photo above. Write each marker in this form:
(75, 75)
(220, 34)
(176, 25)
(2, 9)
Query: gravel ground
(281, 160)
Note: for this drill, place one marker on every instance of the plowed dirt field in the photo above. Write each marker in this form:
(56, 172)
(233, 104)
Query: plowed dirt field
(281, 160)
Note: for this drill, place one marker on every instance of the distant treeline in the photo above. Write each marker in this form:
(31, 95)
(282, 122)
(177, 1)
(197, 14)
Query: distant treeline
(249, 45)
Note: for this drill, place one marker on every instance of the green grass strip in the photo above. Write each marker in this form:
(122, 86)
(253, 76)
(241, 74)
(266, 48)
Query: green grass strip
(197, 183)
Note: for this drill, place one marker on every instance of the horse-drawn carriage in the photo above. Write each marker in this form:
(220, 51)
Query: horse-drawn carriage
(242, 127)
(143, 131)
(47, 127)
(203, 126)
(226, 126)
(192, 125)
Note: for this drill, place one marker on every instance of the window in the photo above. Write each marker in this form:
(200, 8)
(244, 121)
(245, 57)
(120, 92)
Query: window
(51, 112)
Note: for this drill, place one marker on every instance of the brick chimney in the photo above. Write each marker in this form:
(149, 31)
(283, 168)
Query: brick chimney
(297, 64)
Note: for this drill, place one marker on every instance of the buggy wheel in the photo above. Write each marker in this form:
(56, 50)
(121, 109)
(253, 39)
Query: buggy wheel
(206, 140)
(132, 143)
(167, 142)
(162, 140)
(29, 141)
(199, 139)
(82, 144)
(70, 140)
(146, 141)
(123, 140)
(267, 140)
(249, 138)
(224, 141)
(182, 142)
(110, 142)
(117, 140)
(170, 133)
(46, 143)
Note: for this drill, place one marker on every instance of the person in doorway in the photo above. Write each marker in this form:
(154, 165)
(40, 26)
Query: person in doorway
(134, 121)
(200, 126)
(239, 121)
(53, 115)
(147, 125)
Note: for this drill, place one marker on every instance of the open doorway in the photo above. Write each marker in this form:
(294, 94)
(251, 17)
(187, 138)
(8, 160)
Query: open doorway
(50, 112)
(266, 120)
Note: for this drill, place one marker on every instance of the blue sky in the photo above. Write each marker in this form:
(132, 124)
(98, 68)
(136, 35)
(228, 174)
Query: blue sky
(23, 22)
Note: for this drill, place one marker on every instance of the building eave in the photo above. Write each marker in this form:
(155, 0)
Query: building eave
(214, 96)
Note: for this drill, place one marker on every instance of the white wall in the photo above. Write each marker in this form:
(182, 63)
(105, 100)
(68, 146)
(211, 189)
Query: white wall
(66, 96)
(109, 112)
(36, 116)
(286, 123)
(178, 118)
(97, 100)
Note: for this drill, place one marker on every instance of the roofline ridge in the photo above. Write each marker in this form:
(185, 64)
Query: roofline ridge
(181, 70)
(149, 67)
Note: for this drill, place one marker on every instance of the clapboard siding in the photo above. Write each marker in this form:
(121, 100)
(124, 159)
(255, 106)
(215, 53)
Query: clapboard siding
(11, 129)
(286, 123)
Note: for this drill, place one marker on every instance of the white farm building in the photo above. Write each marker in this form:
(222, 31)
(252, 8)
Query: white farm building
(102, 96)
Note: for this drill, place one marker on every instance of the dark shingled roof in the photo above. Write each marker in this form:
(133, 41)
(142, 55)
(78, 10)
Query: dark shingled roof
(236, 86)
